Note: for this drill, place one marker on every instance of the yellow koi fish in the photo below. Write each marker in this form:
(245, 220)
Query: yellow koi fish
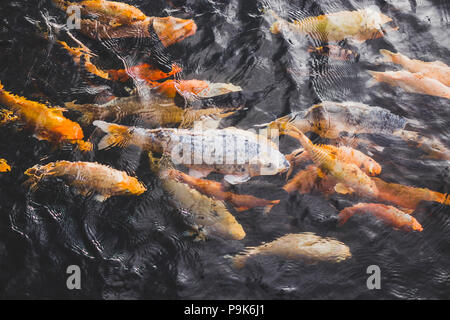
(210, 217)
(302, 246)
(389, 214)
(4, 166)
(48, 123)
(348, 175)
(87, 177)
(435, 70)
(413, 82)
(359, 25)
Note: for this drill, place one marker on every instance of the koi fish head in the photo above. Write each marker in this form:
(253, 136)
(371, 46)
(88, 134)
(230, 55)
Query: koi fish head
(416, 226)
(171, 30)
(372, 167)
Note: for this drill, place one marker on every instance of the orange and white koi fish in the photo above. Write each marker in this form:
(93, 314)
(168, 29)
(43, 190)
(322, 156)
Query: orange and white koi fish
(236, 153)
(306, 247)
(111, 12)
(406, 196)
(215, 190)
(4, 166)
(142, 71)
(48, 123)
(194, 88)
(349, 155)
(389, 214)
(310, 180)
(88, 177)
(435, 70)
(82, 57)
(348, 175)
(413, 82)
(335, 52)
(359, 25)
(169, 30)
(210, 216)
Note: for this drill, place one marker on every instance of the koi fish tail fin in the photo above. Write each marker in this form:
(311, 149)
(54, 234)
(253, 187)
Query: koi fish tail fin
(388, 56)
(376, 77)
(116, 135)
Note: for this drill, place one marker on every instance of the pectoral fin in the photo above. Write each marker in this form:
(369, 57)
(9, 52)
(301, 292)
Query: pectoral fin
(199, 173)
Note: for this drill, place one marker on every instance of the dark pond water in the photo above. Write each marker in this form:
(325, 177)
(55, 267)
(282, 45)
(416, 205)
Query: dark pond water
(134, 248)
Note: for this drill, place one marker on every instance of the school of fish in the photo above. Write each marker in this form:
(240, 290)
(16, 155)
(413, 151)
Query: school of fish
(182, 155)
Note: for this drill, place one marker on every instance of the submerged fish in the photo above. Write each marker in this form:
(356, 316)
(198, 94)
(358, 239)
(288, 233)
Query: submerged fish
(310, 180)
(238, 154)
(155, 112)
(4, 166)
(359, 25)
(389, 214)
(215, 189)
(142, 71)
(349, 155)
(348, 175)
(329, 119)
(413, 82)
(88, 177)
(302, 246)
(406, 196)
(48, 123)
(436, 69)
(110, 12)
(210, 217)
(169, 30)
(434, 148)
(195, 88)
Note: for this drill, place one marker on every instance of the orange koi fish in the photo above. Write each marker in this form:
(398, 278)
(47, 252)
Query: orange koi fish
(348, 175)
(82, 57)
(389, 214)
(170, 30)
(435, 70)
(406, 196)
(111, 12)
(196, 88)
(349, 155)
(306, 247)
(359, 25)
(48, 123)
(87, 177)
(4, 166)
(142, 71)
(215, 190)
(413, 82)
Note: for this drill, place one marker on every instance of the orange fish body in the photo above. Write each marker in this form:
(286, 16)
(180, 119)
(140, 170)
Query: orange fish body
(142, 71)
(435, 70)
(4, 166)
(388, 214)
(88, 177)
(312, 179)
(171, 87)
(406, 196)
(346, 174)
(215, 189)
(48, 123)
(413, 82)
